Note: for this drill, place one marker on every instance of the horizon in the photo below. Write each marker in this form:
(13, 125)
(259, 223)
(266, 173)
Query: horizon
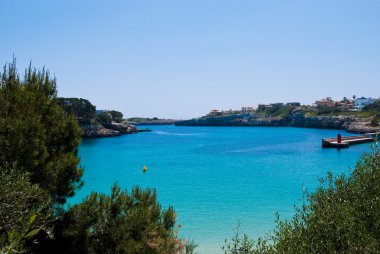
(179, 60)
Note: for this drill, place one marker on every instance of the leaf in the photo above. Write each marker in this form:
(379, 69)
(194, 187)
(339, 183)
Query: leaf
(32, 219)
(32, 233)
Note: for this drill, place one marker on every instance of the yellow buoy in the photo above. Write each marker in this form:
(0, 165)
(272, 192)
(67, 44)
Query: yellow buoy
(144, 168)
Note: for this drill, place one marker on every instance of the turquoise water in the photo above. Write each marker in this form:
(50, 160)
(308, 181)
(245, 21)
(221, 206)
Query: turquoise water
(217, 176)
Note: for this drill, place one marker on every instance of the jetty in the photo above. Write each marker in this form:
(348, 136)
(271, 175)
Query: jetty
(345, 142)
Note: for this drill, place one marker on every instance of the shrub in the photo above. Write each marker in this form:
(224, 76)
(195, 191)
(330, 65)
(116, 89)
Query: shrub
(119, 223)
(24, 210)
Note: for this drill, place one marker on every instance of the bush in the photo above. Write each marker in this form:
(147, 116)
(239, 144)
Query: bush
(119, 223)
(24, 210)
(376, 120)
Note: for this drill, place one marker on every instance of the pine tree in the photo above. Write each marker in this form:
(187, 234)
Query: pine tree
(36, 134)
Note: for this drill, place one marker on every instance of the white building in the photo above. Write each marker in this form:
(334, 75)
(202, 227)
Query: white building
(247, 109)
(360, 103)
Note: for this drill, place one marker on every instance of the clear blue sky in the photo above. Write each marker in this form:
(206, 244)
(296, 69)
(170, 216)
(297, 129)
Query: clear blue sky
(179, 59)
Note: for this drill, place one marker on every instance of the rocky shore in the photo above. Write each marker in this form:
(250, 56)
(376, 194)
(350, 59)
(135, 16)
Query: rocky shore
(351, 124)
(107, 130)
(96, 123)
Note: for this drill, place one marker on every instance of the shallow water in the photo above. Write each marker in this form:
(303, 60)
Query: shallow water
(217, 176)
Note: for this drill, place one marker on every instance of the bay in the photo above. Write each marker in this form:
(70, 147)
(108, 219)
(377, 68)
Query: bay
(215, 177)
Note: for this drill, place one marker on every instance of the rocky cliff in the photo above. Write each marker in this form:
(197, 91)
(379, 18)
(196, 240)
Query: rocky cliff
(106, 124)
(349, 123)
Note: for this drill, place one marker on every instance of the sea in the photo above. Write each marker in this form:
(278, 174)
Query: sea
(217, 177)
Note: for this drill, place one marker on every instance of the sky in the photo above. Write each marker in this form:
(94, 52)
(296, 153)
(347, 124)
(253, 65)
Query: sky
(181, 58)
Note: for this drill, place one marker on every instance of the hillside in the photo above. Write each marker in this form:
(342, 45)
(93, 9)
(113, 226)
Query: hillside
(363, 121)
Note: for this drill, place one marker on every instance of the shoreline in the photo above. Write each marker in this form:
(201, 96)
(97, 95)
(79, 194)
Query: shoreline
(351, 124)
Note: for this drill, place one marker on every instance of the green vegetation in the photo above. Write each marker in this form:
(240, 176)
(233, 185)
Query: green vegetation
(39, 170)
(36, 134)
(142, 119)
(85, 112)
(368, 111)
(121, 223)
(80, 108)
(109, 116)
(277, 110)
(25, 210)
(374, 109)
(341, 216)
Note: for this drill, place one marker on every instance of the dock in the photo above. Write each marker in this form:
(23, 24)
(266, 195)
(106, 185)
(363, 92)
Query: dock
(347, 141)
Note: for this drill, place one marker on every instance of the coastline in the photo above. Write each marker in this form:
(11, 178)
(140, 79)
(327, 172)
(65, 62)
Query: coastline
(351, 124)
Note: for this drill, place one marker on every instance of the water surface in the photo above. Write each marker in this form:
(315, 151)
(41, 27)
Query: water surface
(217, 176)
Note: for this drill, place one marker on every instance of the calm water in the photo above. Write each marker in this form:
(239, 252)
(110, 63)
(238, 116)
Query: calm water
(217, 176)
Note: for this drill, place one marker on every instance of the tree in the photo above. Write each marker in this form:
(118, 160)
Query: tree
(25, 211)
(104, 117)
(82, 109)
(39, 171)
(119, 223)
(36, 134)
(116, 115)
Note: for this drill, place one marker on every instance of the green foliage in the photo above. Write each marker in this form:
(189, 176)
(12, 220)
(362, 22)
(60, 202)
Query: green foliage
(190, 247)
(277, 110)
(239, 244)
(142, 119)
(116, 115)
(24, 210)
(104, 117)
(107, 117)
(324, 110)
(341, 216)
(82, 109)
(376, 120)
(374, 107)
(120, 223)
(36, 134)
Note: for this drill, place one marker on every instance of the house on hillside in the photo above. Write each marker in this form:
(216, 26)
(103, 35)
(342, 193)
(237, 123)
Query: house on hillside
(345, 105)
(262, 107)
(247, 109)
(360, 103)
(325, 103)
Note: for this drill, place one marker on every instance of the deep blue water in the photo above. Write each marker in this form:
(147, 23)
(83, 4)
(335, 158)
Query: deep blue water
(217, 176)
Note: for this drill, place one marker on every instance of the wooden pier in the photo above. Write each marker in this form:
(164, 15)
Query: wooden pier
(347, 141)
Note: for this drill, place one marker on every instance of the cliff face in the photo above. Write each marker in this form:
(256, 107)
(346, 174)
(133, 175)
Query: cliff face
(93, 125)
(349, 123)
(97, 131)
(123, 127)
